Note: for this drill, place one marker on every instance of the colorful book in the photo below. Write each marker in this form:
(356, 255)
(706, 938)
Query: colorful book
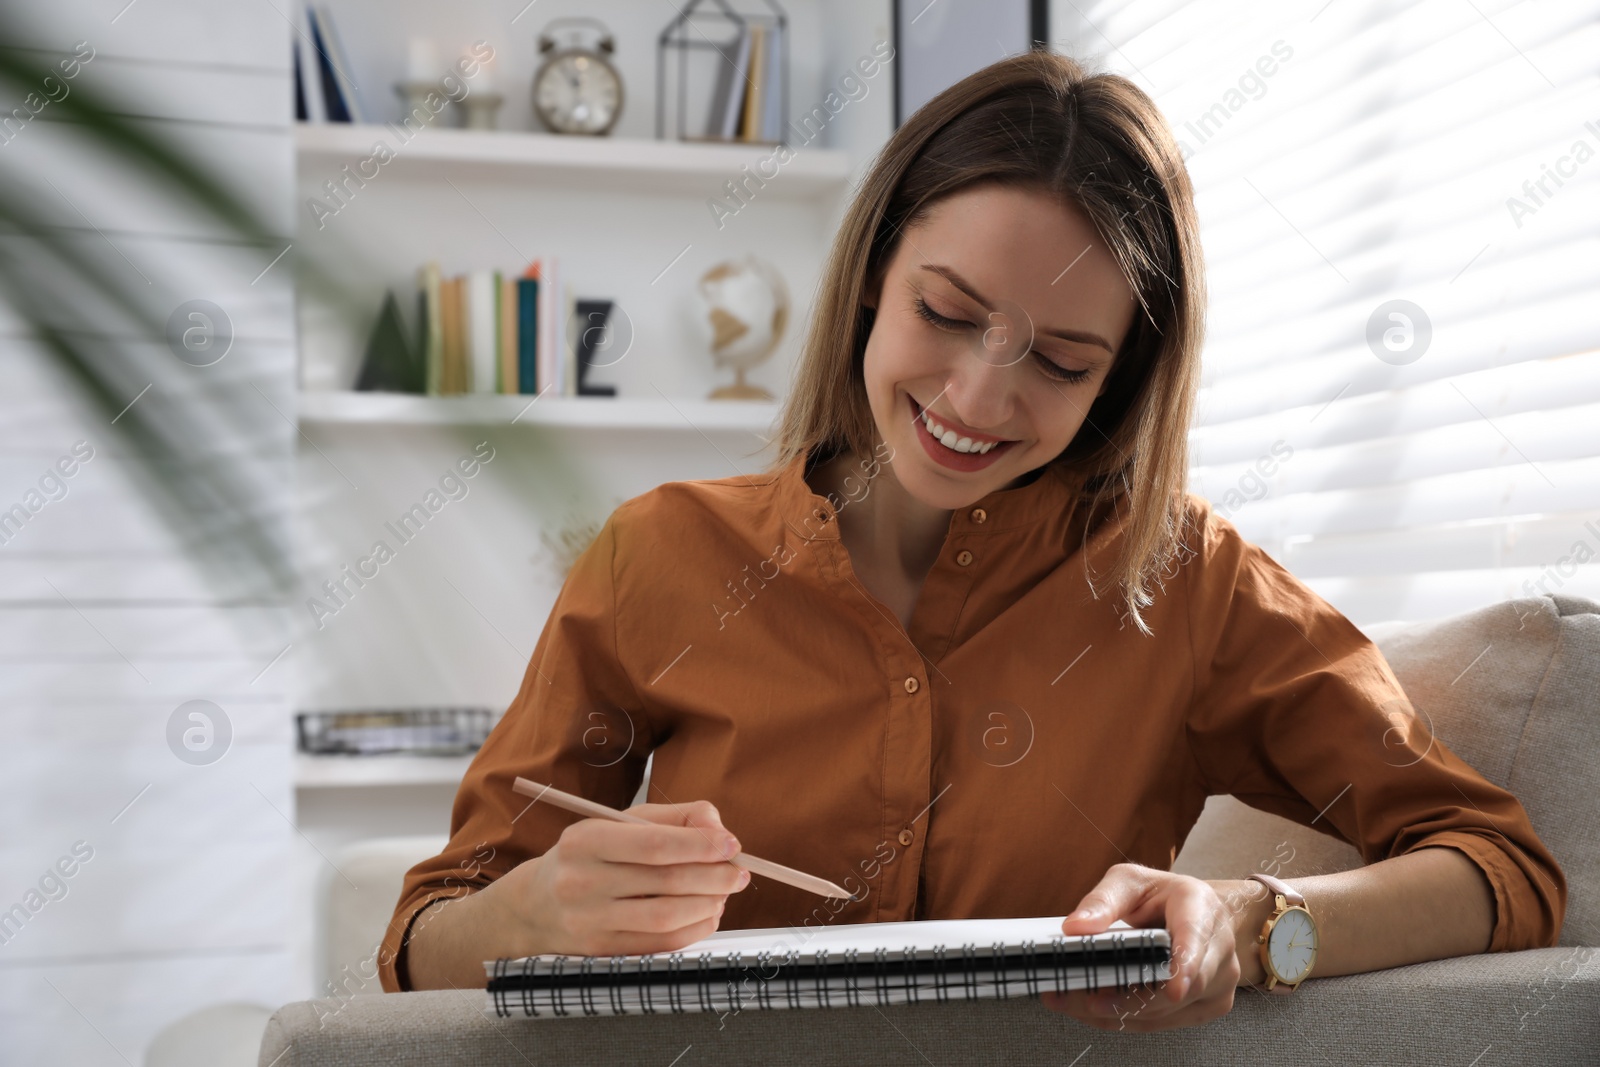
(569, 352)
(545, 345)
(451, 378)
(480, 323)
(300, 113)
(772, 98)
(722, 90)
(429, 298)
(332, 91)
(727, 101)
(310, 66)
(735, 102)
(750, 120)
(506, 316)
(528, 380)
(341, 63)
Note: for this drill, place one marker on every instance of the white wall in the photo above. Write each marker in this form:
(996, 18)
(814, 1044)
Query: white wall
(107, 625)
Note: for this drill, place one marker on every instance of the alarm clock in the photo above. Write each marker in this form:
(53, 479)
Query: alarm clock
(576, 89)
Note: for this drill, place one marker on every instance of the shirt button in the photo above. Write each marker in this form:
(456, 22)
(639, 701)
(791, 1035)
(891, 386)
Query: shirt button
(978, 514)
(963, 557)
(905, 837)
(911, 685)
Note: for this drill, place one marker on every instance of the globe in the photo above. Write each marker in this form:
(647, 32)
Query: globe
(741, 312)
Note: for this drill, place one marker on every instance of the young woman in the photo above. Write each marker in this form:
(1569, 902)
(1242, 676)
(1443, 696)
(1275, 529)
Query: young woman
(969, 648)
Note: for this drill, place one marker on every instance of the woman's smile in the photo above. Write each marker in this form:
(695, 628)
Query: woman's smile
(960, 451)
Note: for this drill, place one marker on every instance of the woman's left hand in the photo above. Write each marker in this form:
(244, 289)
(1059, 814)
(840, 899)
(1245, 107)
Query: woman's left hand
(1205, 961)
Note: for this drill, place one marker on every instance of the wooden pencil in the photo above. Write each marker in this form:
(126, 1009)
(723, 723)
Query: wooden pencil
(754, 864)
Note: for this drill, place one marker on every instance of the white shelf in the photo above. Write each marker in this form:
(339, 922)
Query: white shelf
(627, 164)
(599, 412)
(336, 772)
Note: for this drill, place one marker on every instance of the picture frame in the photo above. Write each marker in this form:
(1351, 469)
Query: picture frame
(939, 42)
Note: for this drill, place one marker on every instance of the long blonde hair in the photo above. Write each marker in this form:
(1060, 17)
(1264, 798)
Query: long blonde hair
(1037, 120)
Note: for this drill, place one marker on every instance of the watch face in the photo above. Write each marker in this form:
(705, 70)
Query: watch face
(1292, 945)
(576, 92)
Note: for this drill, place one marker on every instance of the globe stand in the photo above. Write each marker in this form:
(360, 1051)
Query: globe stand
(740, 389)
(746, 304)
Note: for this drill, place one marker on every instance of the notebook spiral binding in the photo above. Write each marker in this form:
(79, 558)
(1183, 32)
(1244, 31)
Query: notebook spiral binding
(543, 986)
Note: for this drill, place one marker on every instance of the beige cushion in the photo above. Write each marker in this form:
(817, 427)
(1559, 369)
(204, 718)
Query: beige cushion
(1540, 1007)
(1513, 689)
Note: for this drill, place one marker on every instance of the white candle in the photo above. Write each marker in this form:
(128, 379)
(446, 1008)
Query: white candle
(424, 65)
(485, 80)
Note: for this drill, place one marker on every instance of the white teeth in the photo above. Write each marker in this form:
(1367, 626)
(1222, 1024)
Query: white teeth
(950, 440)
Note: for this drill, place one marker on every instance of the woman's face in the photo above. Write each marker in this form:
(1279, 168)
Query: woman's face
(997, 318)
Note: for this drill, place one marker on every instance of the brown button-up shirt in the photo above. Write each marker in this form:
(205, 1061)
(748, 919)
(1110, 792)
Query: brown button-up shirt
(992, 761)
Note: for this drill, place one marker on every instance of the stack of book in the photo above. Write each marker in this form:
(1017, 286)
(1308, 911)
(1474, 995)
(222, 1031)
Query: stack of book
(486, 332)
(747, 101)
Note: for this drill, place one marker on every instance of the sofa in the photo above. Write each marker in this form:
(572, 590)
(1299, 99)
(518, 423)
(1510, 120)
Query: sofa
(1514, 689)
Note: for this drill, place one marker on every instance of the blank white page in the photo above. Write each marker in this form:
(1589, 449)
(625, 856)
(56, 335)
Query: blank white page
(894, 936)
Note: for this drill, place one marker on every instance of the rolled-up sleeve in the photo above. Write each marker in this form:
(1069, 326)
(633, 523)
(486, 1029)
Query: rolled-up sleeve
(1297, 713)
(576, 723)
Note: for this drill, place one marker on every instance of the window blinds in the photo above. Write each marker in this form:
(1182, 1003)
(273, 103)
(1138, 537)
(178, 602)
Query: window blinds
(1347, 155)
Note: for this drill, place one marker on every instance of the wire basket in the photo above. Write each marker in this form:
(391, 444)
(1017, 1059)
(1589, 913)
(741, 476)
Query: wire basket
(413, 731)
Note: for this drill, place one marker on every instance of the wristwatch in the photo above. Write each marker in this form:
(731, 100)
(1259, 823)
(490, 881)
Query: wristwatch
(1288, 939)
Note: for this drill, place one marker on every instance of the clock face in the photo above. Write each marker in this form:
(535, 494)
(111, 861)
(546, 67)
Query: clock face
(577, 92)
(1292, 945)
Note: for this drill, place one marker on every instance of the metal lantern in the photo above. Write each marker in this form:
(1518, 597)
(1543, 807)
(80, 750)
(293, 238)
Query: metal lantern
(704, 44)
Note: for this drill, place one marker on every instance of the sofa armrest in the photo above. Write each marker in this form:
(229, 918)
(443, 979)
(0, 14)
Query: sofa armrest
(1538, 1007)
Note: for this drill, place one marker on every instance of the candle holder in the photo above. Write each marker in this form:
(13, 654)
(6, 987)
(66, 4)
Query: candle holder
(482, 110)
(415, 94)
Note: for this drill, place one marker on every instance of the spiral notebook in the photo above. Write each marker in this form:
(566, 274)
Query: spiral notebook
(853, 965)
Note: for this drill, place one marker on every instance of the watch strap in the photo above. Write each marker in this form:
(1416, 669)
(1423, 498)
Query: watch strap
(1282, 888)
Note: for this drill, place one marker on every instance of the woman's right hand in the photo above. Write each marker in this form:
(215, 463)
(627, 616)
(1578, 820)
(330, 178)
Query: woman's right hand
(611, 888)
